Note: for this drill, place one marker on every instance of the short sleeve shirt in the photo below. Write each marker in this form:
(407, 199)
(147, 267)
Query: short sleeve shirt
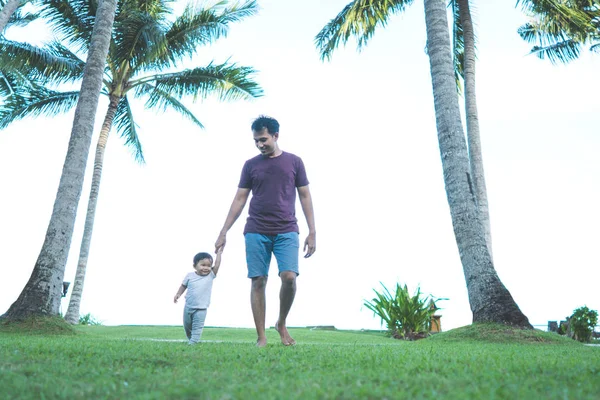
(273, 182)
(199, 289)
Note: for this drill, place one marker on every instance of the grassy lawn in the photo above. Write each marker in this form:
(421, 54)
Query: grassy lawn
(148, 362)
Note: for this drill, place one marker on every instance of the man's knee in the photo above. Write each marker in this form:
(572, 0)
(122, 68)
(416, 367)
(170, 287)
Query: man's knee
(288, 278)
(259, 282)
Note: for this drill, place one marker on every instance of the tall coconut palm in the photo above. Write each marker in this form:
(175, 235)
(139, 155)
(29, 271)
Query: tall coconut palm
(488, 297)
(559, 29)
(42, 293)
(145, 42)
(464, 64)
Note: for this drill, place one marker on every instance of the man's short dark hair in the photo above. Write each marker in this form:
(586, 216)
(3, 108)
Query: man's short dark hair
(202, 256)
(263, 122)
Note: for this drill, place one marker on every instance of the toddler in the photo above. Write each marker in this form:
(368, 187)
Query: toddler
(199, 288)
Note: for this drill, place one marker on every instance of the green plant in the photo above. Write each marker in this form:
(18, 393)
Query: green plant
(407, 317)
(582, 323)
(88, 319)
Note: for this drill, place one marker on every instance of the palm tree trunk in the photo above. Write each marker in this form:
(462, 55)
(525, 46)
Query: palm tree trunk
(475, 154)
(7, 11)
(72, 315)
(490, 301)
(42, 293)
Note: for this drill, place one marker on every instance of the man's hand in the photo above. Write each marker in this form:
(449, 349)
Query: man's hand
(176, 298)
(310, 245)
(220, 243)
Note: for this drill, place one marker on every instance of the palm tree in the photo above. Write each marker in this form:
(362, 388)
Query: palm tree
(145, 41)
(488, 297)
(464, 64)
(42, 293)
(561, 28)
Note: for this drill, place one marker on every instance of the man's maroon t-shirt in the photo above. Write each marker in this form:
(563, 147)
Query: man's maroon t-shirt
(273, 182)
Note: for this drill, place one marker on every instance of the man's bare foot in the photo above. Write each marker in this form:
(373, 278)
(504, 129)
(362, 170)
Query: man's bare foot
(261, 342)
(286, 339)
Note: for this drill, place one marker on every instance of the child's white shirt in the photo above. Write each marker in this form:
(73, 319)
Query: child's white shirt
(199, 289)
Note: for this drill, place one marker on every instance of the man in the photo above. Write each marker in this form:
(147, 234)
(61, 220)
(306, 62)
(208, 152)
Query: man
(273, 177)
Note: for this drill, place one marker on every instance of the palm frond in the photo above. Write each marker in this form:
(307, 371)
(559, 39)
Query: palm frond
(6, 85)
(200, 26)
(157, 8)
(35, 102)
(72, 20)
(237, 11)
(563, 52)
(13, 81)
(560, 28)
(552, 42)
(359, 19)
(162, 101)
(127, 129)
(574, 14)
(53, 63)
(192, 29)
(458, 46)
(226, 81)
(528, 32)
(20, 18)
(134, 38)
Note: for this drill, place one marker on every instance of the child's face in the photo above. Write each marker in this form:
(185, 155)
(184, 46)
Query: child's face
(203, 266)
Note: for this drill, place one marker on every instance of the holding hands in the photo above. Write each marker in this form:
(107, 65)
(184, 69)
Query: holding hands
(220, 243)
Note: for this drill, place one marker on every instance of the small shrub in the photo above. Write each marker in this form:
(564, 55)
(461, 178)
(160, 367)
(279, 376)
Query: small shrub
(407, 317)
(88, 319)
(582, 323)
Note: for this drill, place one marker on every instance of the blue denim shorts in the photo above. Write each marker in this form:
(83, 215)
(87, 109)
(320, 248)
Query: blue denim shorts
(259, 248)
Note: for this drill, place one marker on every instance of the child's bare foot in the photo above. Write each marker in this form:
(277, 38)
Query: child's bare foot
(286, 339)
(261, 342)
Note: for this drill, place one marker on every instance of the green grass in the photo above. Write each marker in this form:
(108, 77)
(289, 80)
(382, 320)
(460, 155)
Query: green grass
(145, 362)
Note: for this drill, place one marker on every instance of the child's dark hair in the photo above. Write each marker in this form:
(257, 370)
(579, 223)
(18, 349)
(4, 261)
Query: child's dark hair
(263, 122)
(202, 256)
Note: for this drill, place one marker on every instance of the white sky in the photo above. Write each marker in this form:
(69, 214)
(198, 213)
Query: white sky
(364, 126)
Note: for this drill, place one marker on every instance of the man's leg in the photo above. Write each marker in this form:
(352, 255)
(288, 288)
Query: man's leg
(258, 302)
(258, 257)
(286, 249)
(286, 299)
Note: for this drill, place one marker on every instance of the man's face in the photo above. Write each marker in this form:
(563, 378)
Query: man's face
(203, 266)
(264, 142)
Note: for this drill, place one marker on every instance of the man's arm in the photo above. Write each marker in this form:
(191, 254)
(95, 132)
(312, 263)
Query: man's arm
(238, 204)
(179, 293)
(310, 244)
(215, 267)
